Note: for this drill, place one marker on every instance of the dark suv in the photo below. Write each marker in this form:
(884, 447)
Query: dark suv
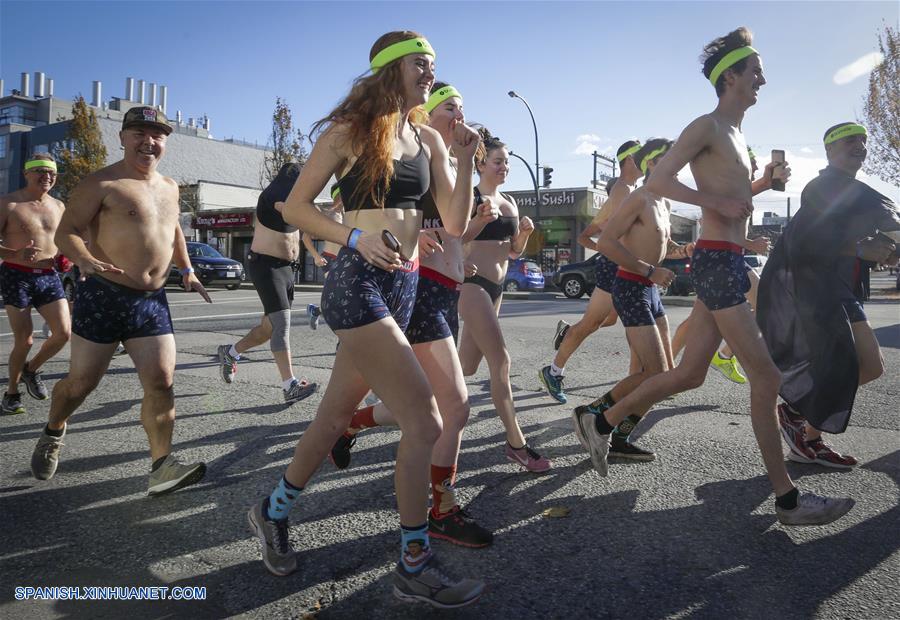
(576, 279)
(210, 266)
(682, 284)
(579, 278)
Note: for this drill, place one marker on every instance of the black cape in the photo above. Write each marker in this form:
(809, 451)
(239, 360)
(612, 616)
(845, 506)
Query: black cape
(799, 308)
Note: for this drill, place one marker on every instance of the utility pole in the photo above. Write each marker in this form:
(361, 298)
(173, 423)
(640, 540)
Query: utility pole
(789, 209)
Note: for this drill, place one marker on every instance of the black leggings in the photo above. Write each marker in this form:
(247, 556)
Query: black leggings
(493, 289)
(274, 281)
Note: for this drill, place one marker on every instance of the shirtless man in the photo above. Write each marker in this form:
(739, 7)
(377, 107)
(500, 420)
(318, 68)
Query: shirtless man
(130, 213)
(272, 262)
(637, 238)
(714, 147)
(600, 311)
(28, 221)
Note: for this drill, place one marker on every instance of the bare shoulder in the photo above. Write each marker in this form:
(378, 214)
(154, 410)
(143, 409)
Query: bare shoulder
(169, 182)
(430, 136)
(337, 137)
(705, 123)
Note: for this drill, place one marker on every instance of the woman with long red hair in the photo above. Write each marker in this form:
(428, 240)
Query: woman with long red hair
(385, 161)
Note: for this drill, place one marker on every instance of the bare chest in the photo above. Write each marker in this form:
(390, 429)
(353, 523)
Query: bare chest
(144, 205)
(33, 218)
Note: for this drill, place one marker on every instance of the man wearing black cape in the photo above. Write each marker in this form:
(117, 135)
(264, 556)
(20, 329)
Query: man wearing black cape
(809, 308)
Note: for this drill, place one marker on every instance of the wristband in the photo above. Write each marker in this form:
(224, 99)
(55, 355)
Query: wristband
(186, 271)
(650, 271)
(355, 234)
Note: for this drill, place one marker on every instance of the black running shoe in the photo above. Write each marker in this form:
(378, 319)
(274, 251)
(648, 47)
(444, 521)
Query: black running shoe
(340, 452)
(561, 328)
(34, 383)
(623, 449)
(460, 528)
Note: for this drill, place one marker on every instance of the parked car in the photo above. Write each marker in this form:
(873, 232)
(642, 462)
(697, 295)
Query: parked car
(523, 275)
(682, 284)
(576, 279)
(210, 266)
(756, 261)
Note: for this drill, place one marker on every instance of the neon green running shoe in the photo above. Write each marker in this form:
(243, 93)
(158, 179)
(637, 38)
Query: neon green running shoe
(728, 367)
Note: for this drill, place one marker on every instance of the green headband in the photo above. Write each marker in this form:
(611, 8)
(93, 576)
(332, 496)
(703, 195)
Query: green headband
(844, 131)
(621, 157)
(40, 163)
(728, 60)
(399, 50)
(440, 96)
(650, 156)
(335, 191)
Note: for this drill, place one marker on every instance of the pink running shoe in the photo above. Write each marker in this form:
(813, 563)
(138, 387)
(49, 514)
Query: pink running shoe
(527, 458)
(793, 429)
(824, 455)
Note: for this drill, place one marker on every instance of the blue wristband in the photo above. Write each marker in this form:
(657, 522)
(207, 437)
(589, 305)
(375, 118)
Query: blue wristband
(355, 234)
(186, 271)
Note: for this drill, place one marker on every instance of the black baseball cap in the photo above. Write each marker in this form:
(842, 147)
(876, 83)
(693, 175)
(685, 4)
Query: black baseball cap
(146, 115)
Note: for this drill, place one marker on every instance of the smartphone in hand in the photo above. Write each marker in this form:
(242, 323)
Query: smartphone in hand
(392, 242)
(777, 158)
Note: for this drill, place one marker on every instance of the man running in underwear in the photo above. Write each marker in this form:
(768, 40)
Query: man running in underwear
(637, 238)
(130, 213)
(28, 221)
(600, 311)
(715, 148)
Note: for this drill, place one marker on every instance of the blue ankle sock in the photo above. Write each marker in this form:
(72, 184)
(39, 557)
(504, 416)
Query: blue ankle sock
(415, 548)
(282, 500)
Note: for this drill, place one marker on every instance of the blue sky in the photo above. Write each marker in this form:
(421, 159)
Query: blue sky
(595, 73)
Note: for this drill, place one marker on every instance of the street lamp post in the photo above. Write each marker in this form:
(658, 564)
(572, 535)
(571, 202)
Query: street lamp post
(537, 165)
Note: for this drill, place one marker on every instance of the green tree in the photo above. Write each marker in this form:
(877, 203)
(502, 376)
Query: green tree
(285, 143)
(86, 153)
(881, 111)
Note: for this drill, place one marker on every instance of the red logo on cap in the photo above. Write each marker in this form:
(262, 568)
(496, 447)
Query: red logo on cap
(150, 115)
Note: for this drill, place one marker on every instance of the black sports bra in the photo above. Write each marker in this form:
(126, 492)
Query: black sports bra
(502, 229)
(431, 217)
(277, 191)
(410, 181)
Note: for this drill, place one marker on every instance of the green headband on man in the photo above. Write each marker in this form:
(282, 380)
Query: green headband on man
(40, 163)
(440, 96)
(627, 153)
(732, 57)
(400, 49)
(651, 156)
(845, 131)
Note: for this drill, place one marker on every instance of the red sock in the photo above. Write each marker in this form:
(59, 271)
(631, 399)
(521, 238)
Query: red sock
(442, 494)
(363, 418)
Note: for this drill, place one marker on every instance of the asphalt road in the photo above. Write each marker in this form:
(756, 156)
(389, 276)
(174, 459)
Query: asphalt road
(691, 535)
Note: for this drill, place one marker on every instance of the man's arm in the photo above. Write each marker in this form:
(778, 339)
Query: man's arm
(616, 197)
(619, 224)
(664, 179)
(452, 193)
(84, 204)
(183, 262)
(311, 248)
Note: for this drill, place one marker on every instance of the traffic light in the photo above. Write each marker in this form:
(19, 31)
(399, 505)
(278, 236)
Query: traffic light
(548, 172)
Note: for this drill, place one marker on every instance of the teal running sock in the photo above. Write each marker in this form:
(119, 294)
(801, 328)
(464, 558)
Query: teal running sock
(282, 500)
(626, 426)
(415, 547)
